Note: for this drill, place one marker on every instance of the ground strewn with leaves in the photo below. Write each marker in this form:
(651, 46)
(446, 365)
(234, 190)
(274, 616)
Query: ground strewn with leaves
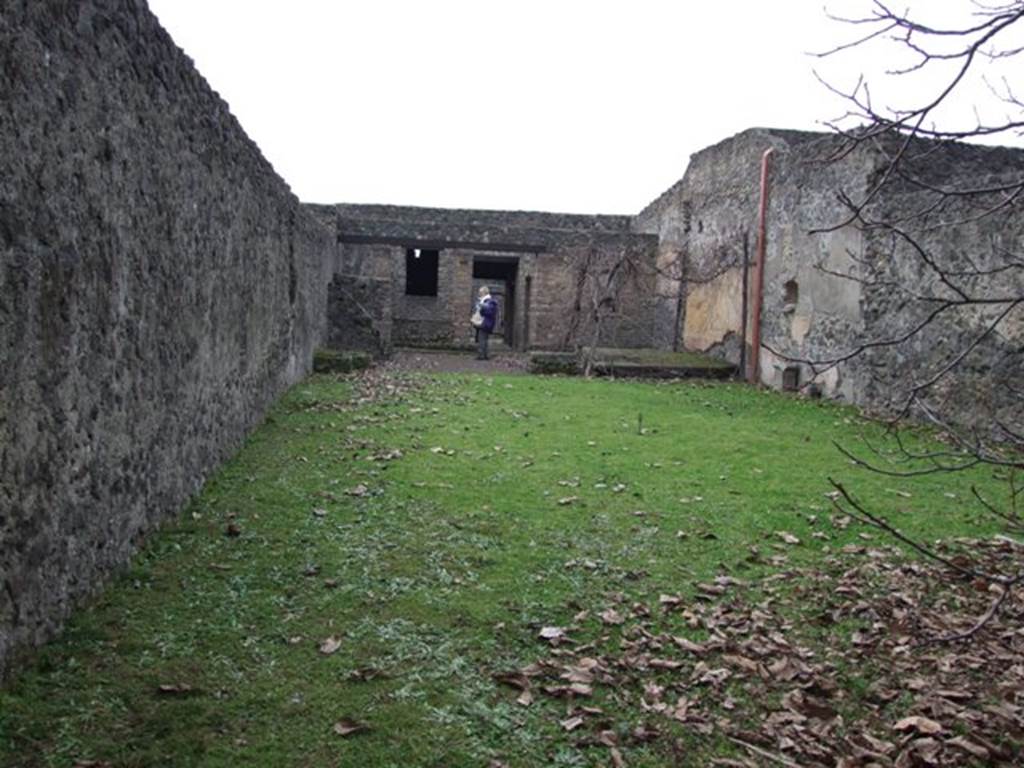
(522, 571)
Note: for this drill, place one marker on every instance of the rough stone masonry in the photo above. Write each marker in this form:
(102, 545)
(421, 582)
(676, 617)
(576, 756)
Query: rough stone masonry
(828, 289)
(160, 286)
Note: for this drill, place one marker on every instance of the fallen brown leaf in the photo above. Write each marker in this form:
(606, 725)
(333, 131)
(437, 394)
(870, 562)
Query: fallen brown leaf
(174, 689)
(347, 727)
(918, 723)
(969, 746)
(572, 723)
(553, 635)
(611, 616)
(330, 645)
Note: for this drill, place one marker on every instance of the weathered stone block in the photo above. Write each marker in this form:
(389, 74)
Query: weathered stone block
(566, 363)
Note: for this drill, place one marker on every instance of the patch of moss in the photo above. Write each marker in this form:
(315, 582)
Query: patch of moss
(554, 362)
(339, 361)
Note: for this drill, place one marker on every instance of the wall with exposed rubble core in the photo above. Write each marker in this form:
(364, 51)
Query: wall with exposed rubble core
(822, 295)
(978, 235)
(534, 264)
(160, 286)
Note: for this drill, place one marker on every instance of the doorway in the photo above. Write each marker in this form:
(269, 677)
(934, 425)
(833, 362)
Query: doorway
(499, 274)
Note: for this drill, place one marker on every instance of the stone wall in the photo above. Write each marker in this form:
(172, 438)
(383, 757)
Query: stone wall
(711, 217)
(707, 229)
(433, 321)
(821, 295)
(359, 314)
(160, 286)
(962, 235)
(452, 221)
(826, 316)
(540, 254)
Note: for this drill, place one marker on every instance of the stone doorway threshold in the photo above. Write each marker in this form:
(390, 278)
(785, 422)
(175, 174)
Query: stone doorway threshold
(640, 363)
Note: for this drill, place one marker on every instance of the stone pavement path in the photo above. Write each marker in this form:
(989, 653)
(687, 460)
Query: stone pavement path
(448, 361)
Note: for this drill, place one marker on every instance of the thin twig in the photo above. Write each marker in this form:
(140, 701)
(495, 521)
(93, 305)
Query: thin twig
(881, 523)
(780, 759)
(1004, 591)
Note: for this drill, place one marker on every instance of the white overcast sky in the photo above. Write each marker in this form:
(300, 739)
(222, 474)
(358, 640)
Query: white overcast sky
(587, 106)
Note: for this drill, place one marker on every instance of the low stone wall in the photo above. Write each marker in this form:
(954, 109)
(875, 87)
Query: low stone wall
(160, 286)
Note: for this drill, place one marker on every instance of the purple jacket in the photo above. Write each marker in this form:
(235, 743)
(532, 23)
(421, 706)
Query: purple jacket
(489, 310)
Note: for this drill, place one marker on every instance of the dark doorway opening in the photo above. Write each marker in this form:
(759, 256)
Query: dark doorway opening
(791, 378)
(499, 274)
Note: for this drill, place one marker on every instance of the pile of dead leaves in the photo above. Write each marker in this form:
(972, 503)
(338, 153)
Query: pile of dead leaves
(383, 383)
(836, 666)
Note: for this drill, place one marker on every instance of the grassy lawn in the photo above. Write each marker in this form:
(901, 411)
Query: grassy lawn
(382, 548)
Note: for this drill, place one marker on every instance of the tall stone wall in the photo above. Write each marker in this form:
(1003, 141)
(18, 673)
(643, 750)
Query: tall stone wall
(160, 286)
(809, 310)
(976, 240)
(830, 288)
(711, 217)
(707, 229)
(704, 225)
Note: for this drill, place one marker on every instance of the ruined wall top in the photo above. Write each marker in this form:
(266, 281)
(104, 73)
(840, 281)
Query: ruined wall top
(473, 217)
(752, 141)
(524, 231)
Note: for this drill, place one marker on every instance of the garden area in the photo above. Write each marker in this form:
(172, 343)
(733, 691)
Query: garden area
(508, 570)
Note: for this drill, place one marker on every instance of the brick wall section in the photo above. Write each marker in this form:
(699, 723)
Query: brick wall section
(160, 286)
(431, 321)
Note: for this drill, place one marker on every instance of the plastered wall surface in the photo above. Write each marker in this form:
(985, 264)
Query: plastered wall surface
(830, 287)
(711, 215)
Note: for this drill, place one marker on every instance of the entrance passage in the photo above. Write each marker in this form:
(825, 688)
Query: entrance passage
(499, 274)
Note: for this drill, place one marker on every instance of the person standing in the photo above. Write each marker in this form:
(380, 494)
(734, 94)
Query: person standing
(487, 308)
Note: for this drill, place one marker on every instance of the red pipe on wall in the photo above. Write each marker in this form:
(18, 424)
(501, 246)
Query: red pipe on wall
(753, 375)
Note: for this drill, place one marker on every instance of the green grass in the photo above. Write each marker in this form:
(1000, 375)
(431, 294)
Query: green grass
(437, 568)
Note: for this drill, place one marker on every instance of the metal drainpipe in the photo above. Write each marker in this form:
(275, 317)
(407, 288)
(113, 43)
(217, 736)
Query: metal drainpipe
(745, 303)
(753, 375)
